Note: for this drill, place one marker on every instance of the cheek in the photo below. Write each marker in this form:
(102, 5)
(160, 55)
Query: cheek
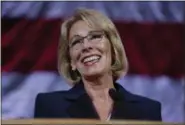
(73, 56)
(105, 47)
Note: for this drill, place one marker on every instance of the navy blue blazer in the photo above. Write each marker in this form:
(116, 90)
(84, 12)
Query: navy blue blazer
(75, 103)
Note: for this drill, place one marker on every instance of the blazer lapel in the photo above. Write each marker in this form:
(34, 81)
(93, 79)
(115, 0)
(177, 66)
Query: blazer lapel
(81, 105)
(82, 108)
(125, 108)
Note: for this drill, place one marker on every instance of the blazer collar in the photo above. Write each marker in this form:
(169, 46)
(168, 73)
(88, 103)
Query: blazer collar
(82, 107)
(77, 90)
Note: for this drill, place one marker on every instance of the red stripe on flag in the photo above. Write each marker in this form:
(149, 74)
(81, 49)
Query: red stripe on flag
(152, 48)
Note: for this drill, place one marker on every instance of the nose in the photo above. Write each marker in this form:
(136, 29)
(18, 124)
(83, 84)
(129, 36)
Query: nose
(86, 46)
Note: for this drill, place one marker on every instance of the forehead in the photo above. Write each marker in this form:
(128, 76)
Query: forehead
(80, 28)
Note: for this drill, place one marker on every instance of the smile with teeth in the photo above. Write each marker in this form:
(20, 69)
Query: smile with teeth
(91, 59)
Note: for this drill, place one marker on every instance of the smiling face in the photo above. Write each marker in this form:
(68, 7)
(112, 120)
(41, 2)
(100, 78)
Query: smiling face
(90, 50)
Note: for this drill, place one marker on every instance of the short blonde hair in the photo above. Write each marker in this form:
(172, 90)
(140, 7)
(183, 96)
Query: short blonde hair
(95, 19)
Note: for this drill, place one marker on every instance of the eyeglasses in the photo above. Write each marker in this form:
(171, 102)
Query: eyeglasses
(93, 37)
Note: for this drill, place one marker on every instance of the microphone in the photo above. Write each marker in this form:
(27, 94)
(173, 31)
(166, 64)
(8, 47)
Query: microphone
(116, 96)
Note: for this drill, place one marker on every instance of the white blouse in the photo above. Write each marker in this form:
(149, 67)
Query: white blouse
(108, 118)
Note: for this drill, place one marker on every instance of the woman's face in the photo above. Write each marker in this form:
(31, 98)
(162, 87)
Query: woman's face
(90, 50)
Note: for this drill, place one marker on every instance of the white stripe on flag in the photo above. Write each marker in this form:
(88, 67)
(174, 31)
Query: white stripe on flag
(122, 10)
(14, 105)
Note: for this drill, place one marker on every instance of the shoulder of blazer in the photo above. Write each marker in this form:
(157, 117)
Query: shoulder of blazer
(48, 96)
(129, 96)
(149, 107)
(72, 93)
(46, 102)
(146, 103)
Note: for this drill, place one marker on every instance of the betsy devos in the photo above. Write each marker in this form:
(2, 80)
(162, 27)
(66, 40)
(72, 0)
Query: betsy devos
(91, 56)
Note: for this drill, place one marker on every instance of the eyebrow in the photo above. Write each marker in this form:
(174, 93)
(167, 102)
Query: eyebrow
(77, 35)
(70, 39)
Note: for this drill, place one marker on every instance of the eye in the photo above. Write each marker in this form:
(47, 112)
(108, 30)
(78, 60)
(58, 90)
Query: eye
(95, 36)
(75, 42)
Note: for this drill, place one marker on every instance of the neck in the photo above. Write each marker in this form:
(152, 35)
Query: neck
(98, 88)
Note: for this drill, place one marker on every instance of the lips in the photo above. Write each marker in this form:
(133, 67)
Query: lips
(90, 58)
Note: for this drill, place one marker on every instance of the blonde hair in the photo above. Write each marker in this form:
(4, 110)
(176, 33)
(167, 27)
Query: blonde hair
(95, 19)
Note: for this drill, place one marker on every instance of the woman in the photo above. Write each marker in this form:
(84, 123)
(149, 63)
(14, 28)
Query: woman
(92, 57)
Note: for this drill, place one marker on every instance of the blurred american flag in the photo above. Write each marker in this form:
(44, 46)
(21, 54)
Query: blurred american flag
(152, 33)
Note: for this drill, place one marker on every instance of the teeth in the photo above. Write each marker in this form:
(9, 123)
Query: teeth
(91, 58)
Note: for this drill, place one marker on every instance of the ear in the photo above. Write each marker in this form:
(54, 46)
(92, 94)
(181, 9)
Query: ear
(73, 66)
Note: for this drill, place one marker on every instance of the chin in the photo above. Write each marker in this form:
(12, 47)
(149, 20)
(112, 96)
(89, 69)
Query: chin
(93, 74)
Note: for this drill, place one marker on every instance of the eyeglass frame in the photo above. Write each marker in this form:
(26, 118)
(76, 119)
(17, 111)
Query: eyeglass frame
(103, 34)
